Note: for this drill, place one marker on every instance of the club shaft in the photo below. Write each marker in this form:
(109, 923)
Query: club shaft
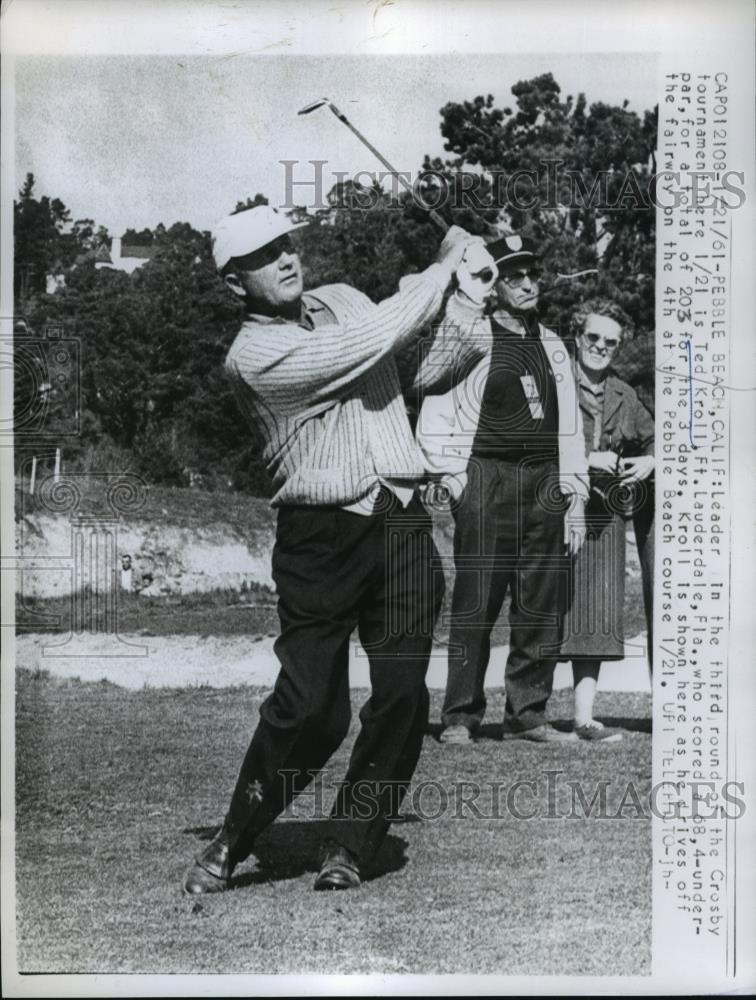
(433, 214)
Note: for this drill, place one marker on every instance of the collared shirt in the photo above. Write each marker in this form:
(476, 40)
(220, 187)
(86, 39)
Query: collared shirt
(591, 396)
(313, 316)
(327, 395)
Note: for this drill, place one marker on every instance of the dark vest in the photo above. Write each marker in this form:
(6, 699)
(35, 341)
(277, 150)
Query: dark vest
(519, 416)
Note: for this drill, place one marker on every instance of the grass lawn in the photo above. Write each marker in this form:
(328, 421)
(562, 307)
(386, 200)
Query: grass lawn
(177, 507)
(215, 613)
(117, 790)
(229, 612)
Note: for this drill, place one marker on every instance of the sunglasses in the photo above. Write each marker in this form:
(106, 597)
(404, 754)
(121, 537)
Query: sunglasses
(598, 338)
(516, 278)
(266, 255)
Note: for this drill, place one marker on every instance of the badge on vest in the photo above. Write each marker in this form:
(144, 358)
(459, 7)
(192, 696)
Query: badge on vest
(530, 389)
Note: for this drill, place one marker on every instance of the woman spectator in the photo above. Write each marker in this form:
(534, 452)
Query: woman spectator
(619, 438)
(635, 364)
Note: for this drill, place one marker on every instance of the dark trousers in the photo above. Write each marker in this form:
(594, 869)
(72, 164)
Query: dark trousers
(334, 571)
(509, 536)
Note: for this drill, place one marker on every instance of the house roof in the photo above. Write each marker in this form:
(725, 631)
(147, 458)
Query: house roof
(82, 258)
(103, 255)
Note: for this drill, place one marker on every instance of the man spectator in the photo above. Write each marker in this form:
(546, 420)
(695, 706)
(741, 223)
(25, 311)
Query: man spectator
(509, 437)
(316, 371)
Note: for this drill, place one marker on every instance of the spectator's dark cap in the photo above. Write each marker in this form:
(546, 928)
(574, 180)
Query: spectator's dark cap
(512, 251)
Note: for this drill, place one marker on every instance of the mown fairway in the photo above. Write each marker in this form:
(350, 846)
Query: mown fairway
(117, 790)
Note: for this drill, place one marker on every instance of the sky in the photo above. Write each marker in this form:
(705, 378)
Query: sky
(131, 141)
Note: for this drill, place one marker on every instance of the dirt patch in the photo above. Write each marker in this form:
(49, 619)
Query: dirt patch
(137, 661)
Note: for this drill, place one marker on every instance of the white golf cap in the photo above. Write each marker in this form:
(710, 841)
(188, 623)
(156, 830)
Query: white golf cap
(244, 232)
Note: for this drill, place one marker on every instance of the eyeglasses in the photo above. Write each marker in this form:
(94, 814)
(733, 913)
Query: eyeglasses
(598, 338)
(516, 278)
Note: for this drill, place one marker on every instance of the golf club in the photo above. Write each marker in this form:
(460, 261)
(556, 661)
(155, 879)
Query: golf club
(325, 102)
(433, 214)
(563, 279)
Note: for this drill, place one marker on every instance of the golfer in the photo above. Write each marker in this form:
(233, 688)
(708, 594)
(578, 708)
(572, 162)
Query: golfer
(316, 372)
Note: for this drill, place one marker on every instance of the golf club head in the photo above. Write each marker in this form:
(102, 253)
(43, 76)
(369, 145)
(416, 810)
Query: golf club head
(314, 106)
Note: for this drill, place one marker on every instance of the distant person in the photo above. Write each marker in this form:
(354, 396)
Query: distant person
(127, 573)
(316, 372)
(510, 440)
(619, 440)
